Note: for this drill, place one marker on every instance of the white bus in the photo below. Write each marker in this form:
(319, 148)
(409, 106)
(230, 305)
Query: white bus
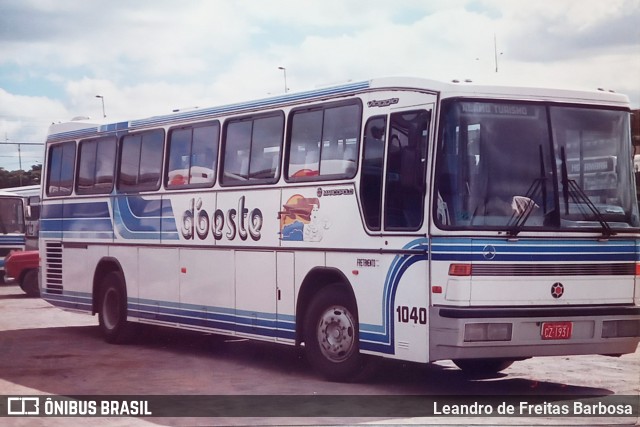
(12, 225)
(30, 195)
(397, 217)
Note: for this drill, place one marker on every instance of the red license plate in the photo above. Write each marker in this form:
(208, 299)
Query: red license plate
(556, 330)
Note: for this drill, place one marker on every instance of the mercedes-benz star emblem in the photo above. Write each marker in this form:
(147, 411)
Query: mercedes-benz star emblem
(489, 252)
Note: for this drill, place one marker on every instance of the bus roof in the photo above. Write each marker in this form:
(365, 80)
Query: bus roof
(86, 128)
(24, 191)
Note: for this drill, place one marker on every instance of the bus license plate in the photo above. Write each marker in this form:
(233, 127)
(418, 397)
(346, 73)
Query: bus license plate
(556, 330)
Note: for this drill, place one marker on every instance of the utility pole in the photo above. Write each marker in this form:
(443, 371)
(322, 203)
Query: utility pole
(495, 51)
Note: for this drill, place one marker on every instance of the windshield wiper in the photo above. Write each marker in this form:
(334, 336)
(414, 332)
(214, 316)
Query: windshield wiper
(524, 206)
(571, 190)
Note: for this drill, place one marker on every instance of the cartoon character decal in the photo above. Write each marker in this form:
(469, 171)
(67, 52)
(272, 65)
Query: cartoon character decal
(300, 220)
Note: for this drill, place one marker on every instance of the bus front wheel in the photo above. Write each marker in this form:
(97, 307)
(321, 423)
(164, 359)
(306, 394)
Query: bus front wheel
(113, 309)
(331, 335)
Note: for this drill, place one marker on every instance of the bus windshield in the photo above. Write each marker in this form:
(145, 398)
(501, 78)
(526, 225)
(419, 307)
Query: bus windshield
(11, 215)
(515, 166)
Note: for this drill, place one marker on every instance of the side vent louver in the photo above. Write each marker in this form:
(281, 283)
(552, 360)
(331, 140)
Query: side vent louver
(53, 279)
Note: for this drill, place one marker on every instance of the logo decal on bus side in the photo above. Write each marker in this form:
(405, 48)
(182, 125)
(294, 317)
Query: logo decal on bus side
(382, 102)
(197, 222)
(300, 220)
(557, 290)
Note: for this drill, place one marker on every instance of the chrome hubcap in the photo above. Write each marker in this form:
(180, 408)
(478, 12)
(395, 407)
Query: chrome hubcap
(336, 333)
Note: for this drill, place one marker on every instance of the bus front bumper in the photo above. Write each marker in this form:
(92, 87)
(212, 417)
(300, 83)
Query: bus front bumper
(522, 332)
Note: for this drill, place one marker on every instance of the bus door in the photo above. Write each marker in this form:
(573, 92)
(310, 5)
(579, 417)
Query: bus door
(393, 197)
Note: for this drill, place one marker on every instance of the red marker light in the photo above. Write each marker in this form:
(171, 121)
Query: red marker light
(460, 270)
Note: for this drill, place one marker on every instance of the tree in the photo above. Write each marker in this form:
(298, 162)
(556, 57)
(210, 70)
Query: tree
(19, 178)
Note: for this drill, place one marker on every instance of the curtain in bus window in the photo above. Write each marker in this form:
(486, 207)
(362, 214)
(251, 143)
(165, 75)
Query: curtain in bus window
(406, 170)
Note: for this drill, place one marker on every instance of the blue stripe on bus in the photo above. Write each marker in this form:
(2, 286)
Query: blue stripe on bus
(381, 338)
(139, 218)
(6, 240)
(470, 250)
(243, 321)
(134, 217)
(84, 220)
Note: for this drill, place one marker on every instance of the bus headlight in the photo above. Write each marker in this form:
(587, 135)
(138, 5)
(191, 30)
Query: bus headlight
(620, 328)
(474, 332)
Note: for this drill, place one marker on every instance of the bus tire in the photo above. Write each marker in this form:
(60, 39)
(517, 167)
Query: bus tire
(112, 315)
(482, 367)
(331, 335)
(29, 283)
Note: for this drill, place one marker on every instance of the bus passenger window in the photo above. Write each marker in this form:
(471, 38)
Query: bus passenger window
(141, 161)
(304, 149)
(324, 142)
(192, 156)
(96, 166)
(61, 169)
(252, 150)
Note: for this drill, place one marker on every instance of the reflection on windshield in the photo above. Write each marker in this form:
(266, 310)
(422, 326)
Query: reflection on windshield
(11, 215)
(501, 167)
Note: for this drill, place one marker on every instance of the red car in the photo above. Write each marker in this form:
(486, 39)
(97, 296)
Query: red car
(22, 266)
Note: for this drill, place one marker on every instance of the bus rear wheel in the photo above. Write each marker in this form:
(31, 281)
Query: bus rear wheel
(481, 367)
(113, 309)
(331, 335)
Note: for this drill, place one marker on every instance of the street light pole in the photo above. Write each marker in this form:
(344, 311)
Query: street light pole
(104, 115)
(284, 70)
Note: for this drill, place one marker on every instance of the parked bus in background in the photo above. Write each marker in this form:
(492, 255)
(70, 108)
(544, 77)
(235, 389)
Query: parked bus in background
(12, 226)
(31, 198)
(400, 218)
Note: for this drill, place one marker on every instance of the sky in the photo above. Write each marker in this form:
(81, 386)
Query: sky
(148, 57)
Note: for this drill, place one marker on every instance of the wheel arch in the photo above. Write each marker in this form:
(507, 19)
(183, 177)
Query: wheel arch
(105, 266)
(317, 279)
